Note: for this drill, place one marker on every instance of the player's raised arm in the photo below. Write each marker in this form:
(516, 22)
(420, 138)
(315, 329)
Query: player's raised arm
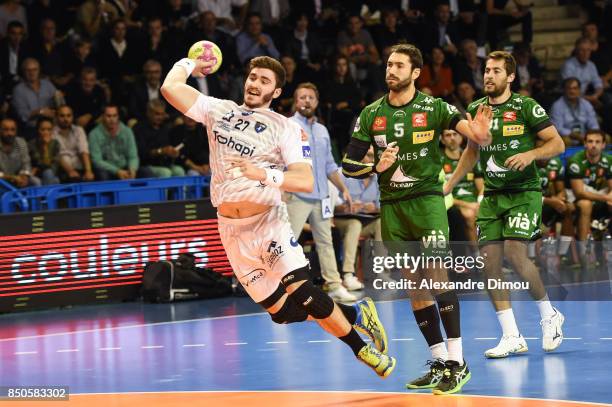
(477, 129)
(176, 91)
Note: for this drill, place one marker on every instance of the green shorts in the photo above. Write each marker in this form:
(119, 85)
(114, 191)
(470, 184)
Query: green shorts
(514, 216)
(422, 219)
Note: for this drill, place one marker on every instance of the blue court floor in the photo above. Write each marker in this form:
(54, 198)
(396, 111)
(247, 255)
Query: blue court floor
(228, 344)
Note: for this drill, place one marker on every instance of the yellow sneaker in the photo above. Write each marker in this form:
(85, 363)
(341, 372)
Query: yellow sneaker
(382, 364)
(368, 323)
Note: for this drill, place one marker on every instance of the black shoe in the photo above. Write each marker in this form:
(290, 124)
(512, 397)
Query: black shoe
(453, 378)
(431, 378)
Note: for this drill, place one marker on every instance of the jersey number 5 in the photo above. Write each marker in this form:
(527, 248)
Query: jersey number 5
(399, 129)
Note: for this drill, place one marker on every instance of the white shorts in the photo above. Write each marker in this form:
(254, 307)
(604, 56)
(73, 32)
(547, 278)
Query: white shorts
(261, 250)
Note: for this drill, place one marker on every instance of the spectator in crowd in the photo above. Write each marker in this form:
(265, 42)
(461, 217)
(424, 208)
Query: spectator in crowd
(469, 67)
(176, 14)
(15, 164)
(120, 58)
(376, 86)
(34, 96)
(158, 45)
(342, 100)
(528, 71)
(145, 90)
(74, 156)
(284, 102)
(601, 54)
(157, 155)
(464, 95)
(113, 148)
(207, 30)
(12, 10)
(305, 47)
(581, 67)
(437, 75)
(415, 11)
(360, 219)
(51, 53)
(93, 17)
(79, 57)
(253, 42)
(12, 54)
(471, 21)
(390, 32)
(272, 13)
(316, 206)
(87, 97)
(357, 46)
(194, 154)
(44, 152)
(223, 11)
(441, 32)
(504, 14)
(572, 114)
(590, 175)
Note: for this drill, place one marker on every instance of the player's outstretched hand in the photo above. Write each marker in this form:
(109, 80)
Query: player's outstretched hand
(481, 123)
(242, 167)
(520, 161)
(388, 157)
(202, 68)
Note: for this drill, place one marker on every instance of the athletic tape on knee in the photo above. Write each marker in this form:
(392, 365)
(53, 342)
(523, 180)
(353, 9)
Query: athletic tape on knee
(289, 313)
(448, 304)
(316, 303)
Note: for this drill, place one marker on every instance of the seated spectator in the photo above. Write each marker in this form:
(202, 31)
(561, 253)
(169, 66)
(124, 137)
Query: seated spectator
(12, 54)
(223, 11)
(471, 21)
(357, 46)
(44, 152)
(51, 53)
(581, 67)
(306, 49)
(94, 17)
(158, 45)
(437, 75)
(357, 220)
(194, 153)
(469, 67)
(601, 54)
(464, 95)
(572, 114)
(33, 97)
(272, 13)
(80, 56)
(74, 150)
(88, 98)
(176, 13)
(113, 148)
(441, 32)
(504, 14)
(207, 30)
(145, 90)
(157, 155)
(389, 32)
(342, 100)
(590, 175)
(253, 42)
(528, 71)
(15, 164)
(12, 10)
(284, 102)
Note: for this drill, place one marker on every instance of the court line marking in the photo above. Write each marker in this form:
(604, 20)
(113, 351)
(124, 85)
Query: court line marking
(532, 338)
(235, 343)
(152, 346)
(277, 342)
(402, 339)
(572, 338)
(66, 350)
(321, 341)
(194, 345)
(109, 348)
(606, 339)
(491, 338)
(29, 352)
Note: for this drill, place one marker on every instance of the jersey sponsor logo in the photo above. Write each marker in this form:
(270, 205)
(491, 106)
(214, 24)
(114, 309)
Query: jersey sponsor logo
(509, 116)
(419, 119)
(357, 125)
(238, 145)
(428, 100)
(514, 144)
(259, 127)
(303, 135)
(293, 242)
(247, 113)
(513, 130)
(423, 152)
(448, 168)
(552, 175)
(494, 147)
(494, 169)
(538, 111)
(380, 123)
(228, 116)
(306, 152)
(401, 180)
(399, 114)
(381, 140)
(520, 221)
(275, 252)
(470, 176)
(574, 168)
(253, 277)
(463, 192)
(419, 137)
(451, 109)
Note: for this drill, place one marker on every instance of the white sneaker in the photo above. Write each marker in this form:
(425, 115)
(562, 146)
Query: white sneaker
(352, 283)
(340, 294)
(552, 334)
(507, 346)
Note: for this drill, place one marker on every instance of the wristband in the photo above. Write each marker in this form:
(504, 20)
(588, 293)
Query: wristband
(274, 178)
(187, 64)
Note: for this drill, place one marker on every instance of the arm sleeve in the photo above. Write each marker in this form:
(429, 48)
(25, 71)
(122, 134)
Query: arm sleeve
(448, 114)
(201, 108)
(294, 145)
(352, 166)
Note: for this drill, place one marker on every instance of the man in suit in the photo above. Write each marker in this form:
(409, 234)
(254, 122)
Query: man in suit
(12, 51)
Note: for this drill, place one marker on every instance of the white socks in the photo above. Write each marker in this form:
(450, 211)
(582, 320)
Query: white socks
(438, 351)
(455, 350)
(546, 308)
(507, 322)
(564, 245)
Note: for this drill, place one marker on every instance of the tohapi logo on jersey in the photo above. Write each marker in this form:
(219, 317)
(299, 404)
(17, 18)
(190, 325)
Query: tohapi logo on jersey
(419, 119)
(419, 137)
(380, 124)
(509, 116)
(238, 145)
(259, 127)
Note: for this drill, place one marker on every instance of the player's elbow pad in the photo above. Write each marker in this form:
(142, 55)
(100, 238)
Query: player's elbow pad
(351, 163)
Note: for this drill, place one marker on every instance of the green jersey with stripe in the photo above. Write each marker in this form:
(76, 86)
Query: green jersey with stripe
(594, 176)
(552, 172)
(416, 128)
(514, 127)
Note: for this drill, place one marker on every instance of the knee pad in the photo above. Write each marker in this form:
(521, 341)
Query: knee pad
(313, 300)
(289, 313)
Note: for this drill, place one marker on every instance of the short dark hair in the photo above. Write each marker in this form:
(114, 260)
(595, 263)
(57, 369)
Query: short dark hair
(14, 24)
(566, 81)
(271, 64)
(595, 131)
(111, 105)
(416, 58)
(43, 119)
(509, 62)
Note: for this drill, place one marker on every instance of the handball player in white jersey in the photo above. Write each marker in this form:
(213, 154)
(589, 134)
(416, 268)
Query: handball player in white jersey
(255, 154)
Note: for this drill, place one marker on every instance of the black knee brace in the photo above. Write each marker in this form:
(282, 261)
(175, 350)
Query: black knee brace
(289, 313)
(313, 300)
